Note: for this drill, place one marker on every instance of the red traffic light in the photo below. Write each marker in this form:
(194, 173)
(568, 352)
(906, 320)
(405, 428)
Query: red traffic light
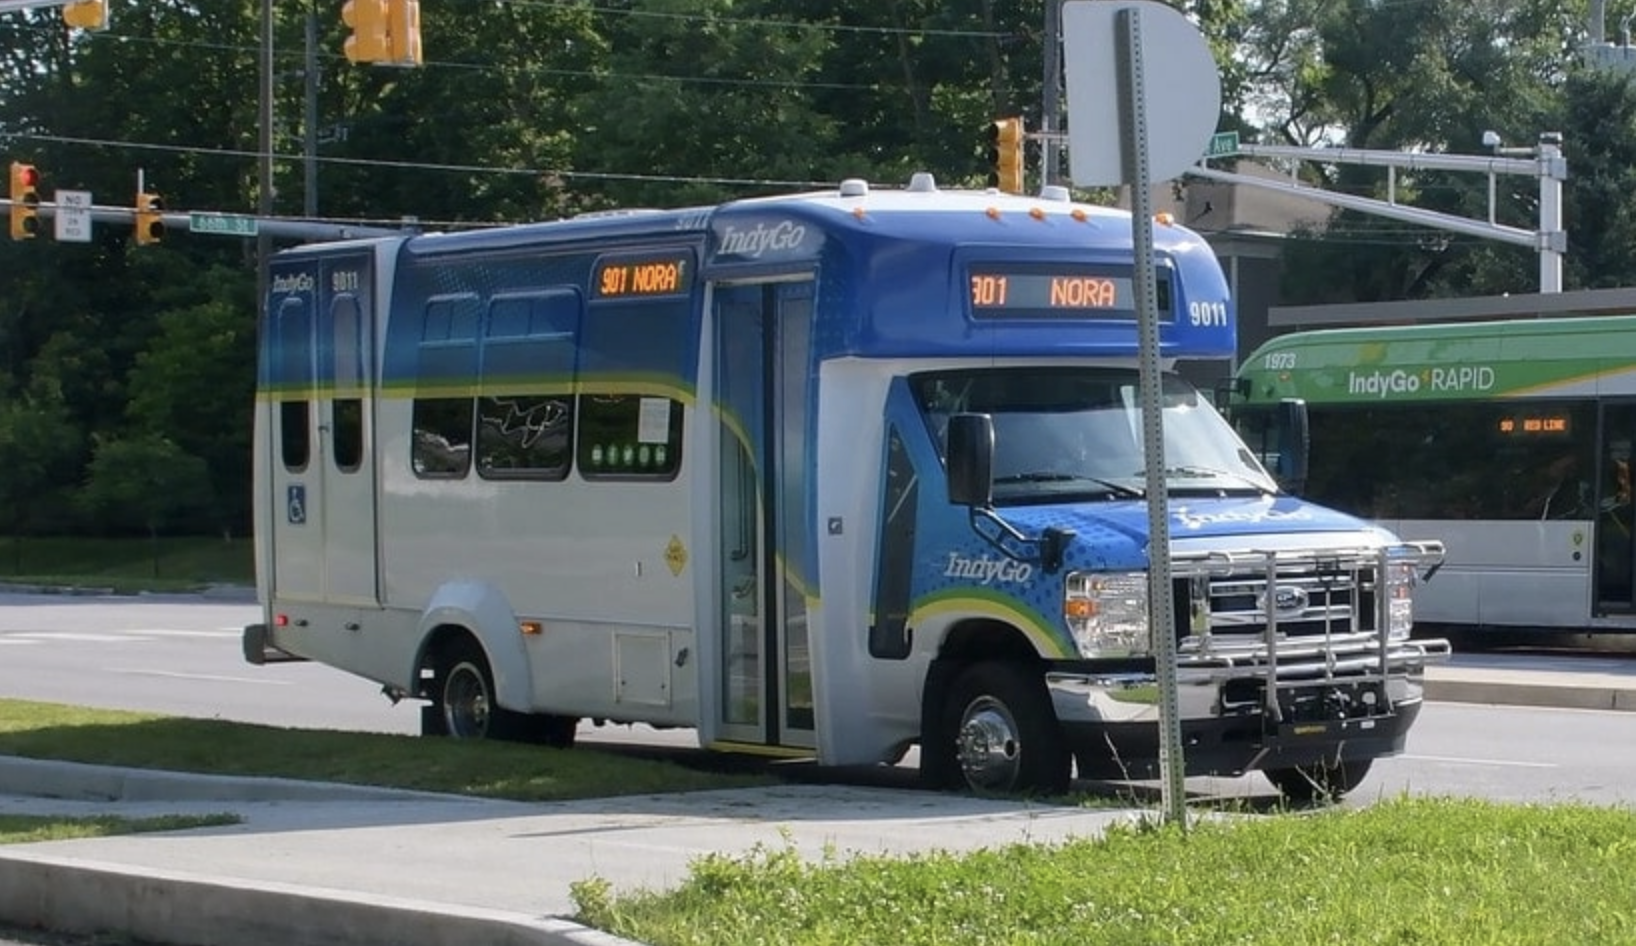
(28, 176)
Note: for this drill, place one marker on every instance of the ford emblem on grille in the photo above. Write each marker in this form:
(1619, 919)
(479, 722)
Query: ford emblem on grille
(1286, 600)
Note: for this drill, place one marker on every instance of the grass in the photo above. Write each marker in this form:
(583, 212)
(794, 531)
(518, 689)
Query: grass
(1404, 872)
(484, 769)
(23, 829)
(170, 564)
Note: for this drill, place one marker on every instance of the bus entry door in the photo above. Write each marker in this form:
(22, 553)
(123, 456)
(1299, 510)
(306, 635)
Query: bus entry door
(320, 455)
(767, 553)
(1615, 542)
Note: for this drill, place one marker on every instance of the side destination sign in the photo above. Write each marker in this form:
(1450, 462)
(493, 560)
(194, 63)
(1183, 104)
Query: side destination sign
(226, 224)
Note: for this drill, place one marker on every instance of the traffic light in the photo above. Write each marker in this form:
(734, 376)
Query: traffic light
(1005, 154)
(150, 223)
(86, 14)
(403, 31)
(25, 201)
(369, 41)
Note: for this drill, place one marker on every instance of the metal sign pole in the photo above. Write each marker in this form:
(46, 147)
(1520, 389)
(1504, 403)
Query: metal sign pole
(1161, 608)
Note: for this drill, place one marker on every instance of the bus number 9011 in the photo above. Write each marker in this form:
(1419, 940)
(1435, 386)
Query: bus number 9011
(344, 280)
(1207, 313)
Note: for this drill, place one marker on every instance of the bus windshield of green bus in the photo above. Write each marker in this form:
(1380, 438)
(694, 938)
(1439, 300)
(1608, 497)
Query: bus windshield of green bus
(1071, 431)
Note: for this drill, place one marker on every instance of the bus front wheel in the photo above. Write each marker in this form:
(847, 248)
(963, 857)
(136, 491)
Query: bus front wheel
(1000, 734)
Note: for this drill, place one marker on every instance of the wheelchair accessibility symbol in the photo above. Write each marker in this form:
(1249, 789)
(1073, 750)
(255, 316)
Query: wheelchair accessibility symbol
(295, 504)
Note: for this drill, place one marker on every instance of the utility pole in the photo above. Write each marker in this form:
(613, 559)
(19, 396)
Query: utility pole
(1051, 106)
(309, 190)
(264, 199)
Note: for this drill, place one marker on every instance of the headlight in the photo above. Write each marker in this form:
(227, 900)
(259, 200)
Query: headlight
(1107, 613)
(1400, 582)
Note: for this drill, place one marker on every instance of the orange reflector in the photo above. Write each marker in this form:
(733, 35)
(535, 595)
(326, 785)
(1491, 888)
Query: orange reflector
(1079, 608)
(530, 627)
(281, 620)
(1080, 215)
(993, 213)
(1037, 213)
(1164, 218)
(858, 212)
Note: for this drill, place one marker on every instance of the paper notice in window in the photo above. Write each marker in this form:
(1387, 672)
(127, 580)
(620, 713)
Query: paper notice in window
(653, 422)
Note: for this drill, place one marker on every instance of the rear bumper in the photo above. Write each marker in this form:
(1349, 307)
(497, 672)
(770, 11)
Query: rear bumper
(259, 648)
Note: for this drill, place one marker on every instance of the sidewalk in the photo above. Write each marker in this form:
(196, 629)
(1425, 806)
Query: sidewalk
(368, 867)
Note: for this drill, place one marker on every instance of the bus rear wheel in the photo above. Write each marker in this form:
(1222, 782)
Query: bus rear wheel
(463, 705)
(1320, 781)
(1002, 732)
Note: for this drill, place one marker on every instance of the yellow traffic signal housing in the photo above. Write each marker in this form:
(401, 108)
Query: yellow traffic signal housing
(1005, 154)
(25, 201)
(370, 41)
(86, 14)
(150, 222)
(403, 31)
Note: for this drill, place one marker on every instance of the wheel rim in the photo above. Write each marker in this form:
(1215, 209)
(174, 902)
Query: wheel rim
(988, 745)
(466, 702)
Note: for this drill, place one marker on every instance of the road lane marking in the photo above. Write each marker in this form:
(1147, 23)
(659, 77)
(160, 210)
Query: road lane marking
(217, 678)
(1497, 762)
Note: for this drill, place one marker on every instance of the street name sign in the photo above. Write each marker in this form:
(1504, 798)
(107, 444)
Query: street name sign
(223, 224)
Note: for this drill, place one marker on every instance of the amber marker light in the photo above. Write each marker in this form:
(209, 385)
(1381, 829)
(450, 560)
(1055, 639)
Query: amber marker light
(993, 213)
(1080, 214)
(1164, 218)
(1079, 609)
(1036, 213)
(858, 212)
(530, 628)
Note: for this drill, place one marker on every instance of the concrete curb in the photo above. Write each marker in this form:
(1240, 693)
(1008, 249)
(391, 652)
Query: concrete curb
(186, 910)
(1492, 693)
(77, 781)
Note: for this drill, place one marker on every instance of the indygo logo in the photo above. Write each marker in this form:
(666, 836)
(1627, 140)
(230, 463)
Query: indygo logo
(985, 570)
(782, 237)
(1385, 384)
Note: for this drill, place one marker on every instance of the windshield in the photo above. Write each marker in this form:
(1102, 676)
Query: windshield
(1078, 431)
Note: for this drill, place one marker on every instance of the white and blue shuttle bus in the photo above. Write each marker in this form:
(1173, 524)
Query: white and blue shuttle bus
(828, 475)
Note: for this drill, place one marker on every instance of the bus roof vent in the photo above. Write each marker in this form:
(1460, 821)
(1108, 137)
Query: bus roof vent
(854, 187)
(922, 182)
(1054, 192)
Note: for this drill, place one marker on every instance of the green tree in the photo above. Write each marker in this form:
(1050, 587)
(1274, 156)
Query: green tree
(195, 384)
(145, 483)
(41, 448)
(1429, 76)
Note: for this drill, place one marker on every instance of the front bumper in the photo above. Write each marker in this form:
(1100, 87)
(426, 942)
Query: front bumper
(1248, 714)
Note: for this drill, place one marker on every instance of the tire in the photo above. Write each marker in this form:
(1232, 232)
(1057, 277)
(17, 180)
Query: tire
(1320, 781)
(463, 705)
(1000, 733)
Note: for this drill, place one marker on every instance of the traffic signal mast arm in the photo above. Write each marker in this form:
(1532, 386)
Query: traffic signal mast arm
(180, 222)
(1544, 161)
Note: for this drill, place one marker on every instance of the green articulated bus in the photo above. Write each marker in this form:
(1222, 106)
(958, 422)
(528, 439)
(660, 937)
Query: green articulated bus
(1508, 440)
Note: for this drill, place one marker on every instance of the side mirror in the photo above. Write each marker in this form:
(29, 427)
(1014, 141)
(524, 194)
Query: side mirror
(971, 459)
(1294, 443)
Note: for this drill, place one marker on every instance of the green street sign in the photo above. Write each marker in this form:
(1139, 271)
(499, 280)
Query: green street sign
(224, 224)
(1222, 143)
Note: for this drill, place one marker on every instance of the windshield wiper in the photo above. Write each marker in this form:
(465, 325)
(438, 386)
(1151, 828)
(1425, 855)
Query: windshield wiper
(1055, 476)
(1211, 473)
